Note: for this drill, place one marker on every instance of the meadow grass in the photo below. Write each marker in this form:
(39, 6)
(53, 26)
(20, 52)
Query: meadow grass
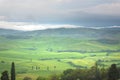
(43, 54)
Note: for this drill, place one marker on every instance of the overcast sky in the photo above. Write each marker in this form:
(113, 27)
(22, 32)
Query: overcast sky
(71, 12)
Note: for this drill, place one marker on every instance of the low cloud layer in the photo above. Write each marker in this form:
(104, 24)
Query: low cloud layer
(30, 27)
(25, 26)
(76, 12)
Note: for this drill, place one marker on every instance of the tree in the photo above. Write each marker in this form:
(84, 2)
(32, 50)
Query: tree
(113, 73)
(97, 72)
(5, 76)
(94, 72)
(13, 71)
(103, 74)
(74, 74)
(68, 71)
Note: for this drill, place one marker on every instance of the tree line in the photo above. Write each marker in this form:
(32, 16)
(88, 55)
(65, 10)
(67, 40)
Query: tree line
(94, 73)
(89, 51)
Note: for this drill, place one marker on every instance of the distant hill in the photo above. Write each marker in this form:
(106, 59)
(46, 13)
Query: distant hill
(89, 33)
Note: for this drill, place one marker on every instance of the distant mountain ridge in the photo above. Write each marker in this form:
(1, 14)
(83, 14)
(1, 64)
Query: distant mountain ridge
(108, 33)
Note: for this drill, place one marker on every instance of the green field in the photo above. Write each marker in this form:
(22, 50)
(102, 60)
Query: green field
(46, 55)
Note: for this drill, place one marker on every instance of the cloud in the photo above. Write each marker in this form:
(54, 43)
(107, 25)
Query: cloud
(82, 12)
(105, 9)
(30, 27)
(2, 17)
(25, 26)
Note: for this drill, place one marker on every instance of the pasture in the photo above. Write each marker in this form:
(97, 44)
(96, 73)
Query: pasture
(45, 56)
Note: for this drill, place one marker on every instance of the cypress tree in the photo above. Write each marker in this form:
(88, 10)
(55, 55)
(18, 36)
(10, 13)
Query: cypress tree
(13, 71)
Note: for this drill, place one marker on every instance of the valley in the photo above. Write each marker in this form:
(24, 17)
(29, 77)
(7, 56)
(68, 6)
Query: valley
(52, 51)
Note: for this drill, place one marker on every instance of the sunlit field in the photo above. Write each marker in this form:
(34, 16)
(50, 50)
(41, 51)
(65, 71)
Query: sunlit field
(47, 55)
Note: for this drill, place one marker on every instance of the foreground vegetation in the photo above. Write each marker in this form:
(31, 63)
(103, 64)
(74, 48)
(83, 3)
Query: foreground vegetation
(94, 73)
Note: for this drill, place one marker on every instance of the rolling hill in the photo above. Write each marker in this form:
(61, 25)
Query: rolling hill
(62, 47)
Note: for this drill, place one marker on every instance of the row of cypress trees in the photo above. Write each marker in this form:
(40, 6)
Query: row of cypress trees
(5, 75)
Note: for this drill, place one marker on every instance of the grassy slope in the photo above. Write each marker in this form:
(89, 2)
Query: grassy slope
(42, 52)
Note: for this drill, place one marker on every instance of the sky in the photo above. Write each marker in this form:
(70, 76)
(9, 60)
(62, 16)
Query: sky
(36, 14)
